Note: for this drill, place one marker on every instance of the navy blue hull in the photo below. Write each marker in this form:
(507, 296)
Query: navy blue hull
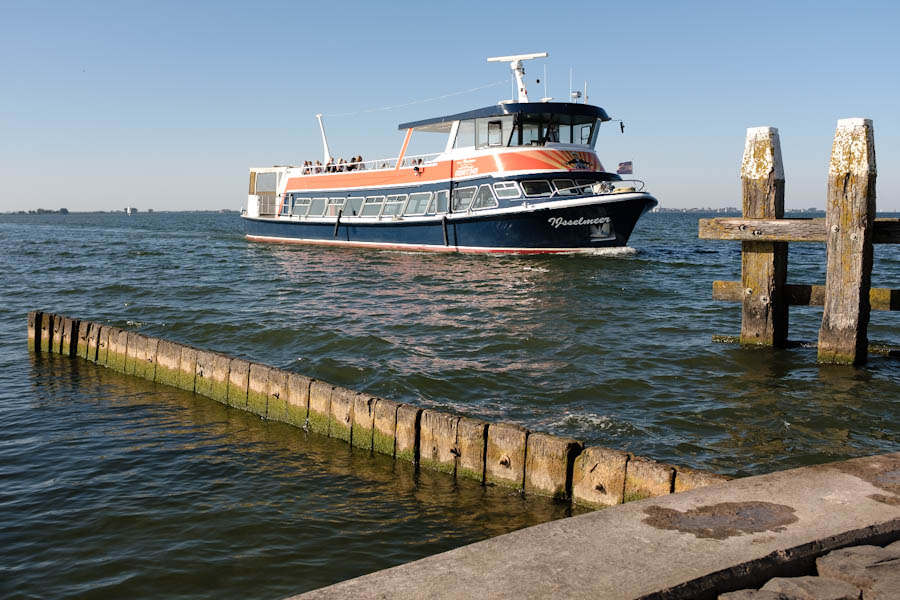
(537, 229)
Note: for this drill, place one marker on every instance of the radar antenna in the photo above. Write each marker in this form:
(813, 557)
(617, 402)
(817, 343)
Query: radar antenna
(515, 63)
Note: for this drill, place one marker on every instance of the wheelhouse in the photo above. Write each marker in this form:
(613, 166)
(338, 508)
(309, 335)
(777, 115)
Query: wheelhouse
(514, 124)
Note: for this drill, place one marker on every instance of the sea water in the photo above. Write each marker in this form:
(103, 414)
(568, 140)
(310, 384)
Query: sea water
(117, 487)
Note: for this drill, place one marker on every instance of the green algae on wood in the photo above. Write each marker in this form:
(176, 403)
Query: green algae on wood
(319, 406)
(238, 382)
(297, 407)
(258, 390)
(384, 426)
(340, 415)
(437, 441)
(407, 433)
(363, 421)
(278, 393)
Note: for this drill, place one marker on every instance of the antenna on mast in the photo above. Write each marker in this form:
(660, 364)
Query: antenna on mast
(324, 139)
(515, 63)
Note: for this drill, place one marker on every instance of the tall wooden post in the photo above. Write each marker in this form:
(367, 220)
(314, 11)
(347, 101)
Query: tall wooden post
(764, 316)
(850, 221)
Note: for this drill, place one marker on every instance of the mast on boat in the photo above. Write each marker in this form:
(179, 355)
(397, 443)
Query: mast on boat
(515, 63)
(324, 139)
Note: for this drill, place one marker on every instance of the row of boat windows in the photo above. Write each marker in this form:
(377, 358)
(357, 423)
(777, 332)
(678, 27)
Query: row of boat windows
(430, 203)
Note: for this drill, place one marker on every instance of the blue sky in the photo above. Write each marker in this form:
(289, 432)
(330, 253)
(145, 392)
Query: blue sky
(165, 105)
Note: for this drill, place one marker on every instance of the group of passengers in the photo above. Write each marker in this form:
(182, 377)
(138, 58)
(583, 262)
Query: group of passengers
(342, 166)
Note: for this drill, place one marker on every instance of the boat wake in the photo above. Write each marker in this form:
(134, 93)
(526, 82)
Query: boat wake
(616, 252)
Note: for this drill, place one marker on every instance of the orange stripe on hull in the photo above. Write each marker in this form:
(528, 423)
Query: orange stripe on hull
(535, 160)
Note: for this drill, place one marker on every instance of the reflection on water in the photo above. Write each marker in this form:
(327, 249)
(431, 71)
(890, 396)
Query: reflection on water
(162, 476)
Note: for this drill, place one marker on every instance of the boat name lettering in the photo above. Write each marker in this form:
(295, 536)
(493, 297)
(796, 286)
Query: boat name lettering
(465, 167)
(557, 222)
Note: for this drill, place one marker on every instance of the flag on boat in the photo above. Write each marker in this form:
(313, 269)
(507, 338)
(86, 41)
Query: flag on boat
(625, 168)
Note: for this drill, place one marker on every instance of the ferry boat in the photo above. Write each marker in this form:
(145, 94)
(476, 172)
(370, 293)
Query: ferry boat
(516, 177)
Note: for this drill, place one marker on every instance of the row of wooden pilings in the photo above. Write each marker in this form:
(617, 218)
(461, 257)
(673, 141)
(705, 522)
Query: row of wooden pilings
(493, 453)
(849, 230)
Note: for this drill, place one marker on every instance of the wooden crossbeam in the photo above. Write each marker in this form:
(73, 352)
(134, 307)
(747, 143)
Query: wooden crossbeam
(887, 231)
(807, 295)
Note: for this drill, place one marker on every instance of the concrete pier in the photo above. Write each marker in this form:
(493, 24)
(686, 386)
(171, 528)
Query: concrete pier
(694, 545)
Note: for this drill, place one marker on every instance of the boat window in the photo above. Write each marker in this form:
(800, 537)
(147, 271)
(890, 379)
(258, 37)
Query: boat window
(353, 206)
(417, 204)
(301, 206)
(462, 197)
(493, 131)
(484, 198)
(334, 206)
(393, 205)
(439, 204)
(317, 207)
(286, 205)
(465, 137)
(585, 186)
(565, 187)
(537, 129)
(507, 189)
(537, 188)
(372, 207)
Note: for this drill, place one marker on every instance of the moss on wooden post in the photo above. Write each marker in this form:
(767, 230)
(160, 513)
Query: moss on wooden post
(849, 220)
(764, 313)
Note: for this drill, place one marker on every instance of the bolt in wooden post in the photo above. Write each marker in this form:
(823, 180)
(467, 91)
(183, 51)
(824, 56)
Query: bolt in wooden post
(764, 315)
(850, 221)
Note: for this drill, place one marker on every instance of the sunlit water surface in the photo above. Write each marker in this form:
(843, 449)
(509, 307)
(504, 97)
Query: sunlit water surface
(113, 487)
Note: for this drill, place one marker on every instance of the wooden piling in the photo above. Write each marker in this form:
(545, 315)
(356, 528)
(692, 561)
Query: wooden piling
(34, 330)
(764, 313)
(471, 441)
(258, 390)
(57, 334)
(505, 457)
(340, 418)
(297, 400)
(407, 440)
(548, 465)
(46, 344)
(598, 477)
(277, 408)
(384, 435)
(187, 368)
(238, 382)
(363, 421)
(437, 441)
(849, 220)
(81, 339)
(93, 345)
(168, 360)
(319, 406)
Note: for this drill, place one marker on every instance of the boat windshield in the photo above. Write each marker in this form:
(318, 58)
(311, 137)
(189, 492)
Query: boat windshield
(537, 129)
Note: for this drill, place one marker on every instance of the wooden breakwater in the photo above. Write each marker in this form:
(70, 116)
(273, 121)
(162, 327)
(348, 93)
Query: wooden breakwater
(502, 454)
(849, 231)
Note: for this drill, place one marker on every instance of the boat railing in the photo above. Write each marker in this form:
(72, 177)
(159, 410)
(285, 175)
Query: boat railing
(381, 164)
(600, 188)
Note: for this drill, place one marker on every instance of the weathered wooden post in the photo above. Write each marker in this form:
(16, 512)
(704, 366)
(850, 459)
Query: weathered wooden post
(764, 315)
(850, 223)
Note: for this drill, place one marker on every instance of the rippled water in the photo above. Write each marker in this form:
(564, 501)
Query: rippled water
(116, 487)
